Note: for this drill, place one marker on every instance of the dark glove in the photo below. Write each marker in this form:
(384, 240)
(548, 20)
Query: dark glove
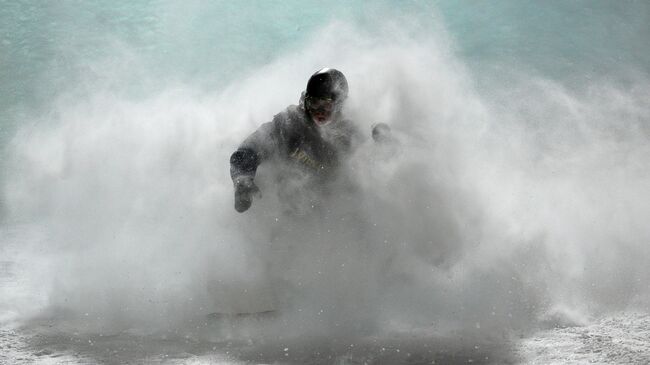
(245, 189)
(381, 132)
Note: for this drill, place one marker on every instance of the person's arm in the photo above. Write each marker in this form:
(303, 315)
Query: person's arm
(258, 147)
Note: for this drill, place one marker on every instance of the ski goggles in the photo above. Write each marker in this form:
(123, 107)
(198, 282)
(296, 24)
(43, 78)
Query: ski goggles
(319, 104)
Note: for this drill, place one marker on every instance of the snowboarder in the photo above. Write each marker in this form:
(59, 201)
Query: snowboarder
(311, 137)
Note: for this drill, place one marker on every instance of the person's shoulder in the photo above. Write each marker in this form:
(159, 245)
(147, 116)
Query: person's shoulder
(292, 111)
(290, 115)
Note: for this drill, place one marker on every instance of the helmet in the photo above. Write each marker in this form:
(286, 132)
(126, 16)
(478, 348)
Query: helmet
(327, 83)
(323, 98)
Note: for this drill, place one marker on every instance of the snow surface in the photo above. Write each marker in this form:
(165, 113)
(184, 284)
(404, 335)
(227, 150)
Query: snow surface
(623, 338)
(620, 339)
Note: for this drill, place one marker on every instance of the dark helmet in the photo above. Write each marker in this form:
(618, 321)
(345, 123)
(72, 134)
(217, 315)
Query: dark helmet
(327, 83)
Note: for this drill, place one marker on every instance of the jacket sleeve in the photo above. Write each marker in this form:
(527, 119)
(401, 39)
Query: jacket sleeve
(258, 147)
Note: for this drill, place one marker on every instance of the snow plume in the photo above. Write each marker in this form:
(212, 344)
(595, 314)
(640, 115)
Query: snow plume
(490, 209)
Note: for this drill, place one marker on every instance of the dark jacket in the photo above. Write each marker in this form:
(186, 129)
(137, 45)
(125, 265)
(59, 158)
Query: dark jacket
(293, 138)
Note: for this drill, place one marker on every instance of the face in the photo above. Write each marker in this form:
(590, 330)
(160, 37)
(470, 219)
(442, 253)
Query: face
(321, 110)
(321, 117)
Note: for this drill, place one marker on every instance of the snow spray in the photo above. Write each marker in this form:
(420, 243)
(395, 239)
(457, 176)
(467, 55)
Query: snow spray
(510, 198)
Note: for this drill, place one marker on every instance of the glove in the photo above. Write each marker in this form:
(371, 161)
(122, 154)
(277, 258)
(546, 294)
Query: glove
(245, 189)
(381, 132)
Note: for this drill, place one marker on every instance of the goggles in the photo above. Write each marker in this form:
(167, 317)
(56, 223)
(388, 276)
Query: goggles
(319, 104)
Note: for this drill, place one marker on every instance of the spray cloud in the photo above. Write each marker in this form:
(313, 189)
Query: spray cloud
(494, 208)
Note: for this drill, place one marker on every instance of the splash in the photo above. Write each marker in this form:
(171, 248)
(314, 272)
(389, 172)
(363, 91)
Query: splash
(497, 209)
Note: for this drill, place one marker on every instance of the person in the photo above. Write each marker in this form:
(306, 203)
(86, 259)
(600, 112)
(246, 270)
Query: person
(311, 138)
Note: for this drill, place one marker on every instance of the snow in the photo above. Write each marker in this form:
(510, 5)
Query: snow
(623, 338)
(620, 339)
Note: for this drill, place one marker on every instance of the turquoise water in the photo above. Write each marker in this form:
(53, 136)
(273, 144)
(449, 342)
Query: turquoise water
(526, 125)
(46, 45)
